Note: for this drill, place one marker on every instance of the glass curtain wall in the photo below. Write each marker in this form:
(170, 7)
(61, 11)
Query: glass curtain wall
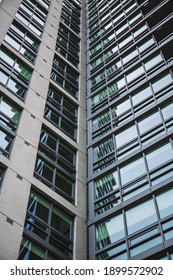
(130, 140)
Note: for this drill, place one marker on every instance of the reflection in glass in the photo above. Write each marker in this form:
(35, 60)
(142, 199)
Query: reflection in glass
(159, 156)
(132, 170)
(109, 231)
(140, 216)
(165, 203)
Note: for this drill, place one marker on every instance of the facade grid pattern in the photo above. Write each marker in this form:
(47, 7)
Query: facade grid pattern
(130, 114)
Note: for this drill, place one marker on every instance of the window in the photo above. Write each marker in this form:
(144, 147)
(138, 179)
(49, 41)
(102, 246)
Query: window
(103, 149)
(129, 56)
(134, 74)
(22, 41)
(70, 15)
(121, 108)
(167, 110)
(107, 194)
(101, 120)
(126, 135)
(32, 15)
(55, 164)
(114, 253)
(49, 225)
(153, 61)
(65, 76)
(141, 95)
(140, 216)
(61, 112)
(151, 127)
(145, 45)
(162, 82)
(68, 45)
(107, 72)
(101, 124)
(105, 185)
(159, 156)
(109, 231)
(9, 119)
(165, 203)
(132, 170)
(15, 75)
(30, 251)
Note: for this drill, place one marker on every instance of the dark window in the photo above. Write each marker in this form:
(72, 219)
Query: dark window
(9, 119)
(70, 15)
(65, 76)
(55, 164)
(49, 231)
(61, 112)
(68, 45)
(2, 170)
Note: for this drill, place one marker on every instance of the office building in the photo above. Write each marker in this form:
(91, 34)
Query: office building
(86, 140)
(130, 125)
(43, 133)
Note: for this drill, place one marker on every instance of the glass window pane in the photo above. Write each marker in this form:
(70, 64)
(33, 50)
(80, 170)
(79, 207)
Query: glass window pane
(159, 156)
(68, 128)
(135, 74)
(5, 141)
(67, 153)
(52, 115)
(165, 203)
(149, 122)
(9, 59)
(34, 29)
(62, 222)
(24, 71)
(162, 82)
(132, 170)
(153, 62)
(167, 111)
(121, 108)
(16, 88)
(141, 95)
(126, 135)
(44, 170)
(103, 149)
(101, 120)
(145, 45)
(105, 185)
(129, 56)
(112, 252)
(109, 231)
(3, 78)
(140, 216)
(146, 246)
(30, 251)
(12, 42)
(64, 184)
(38, 206)
(48, 140)
(11, 111)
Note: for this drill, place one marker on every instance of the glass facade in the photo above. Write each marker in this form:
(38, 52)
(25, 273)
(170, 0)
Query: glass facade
(86, 102)
(41, 99)
(130, 143)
